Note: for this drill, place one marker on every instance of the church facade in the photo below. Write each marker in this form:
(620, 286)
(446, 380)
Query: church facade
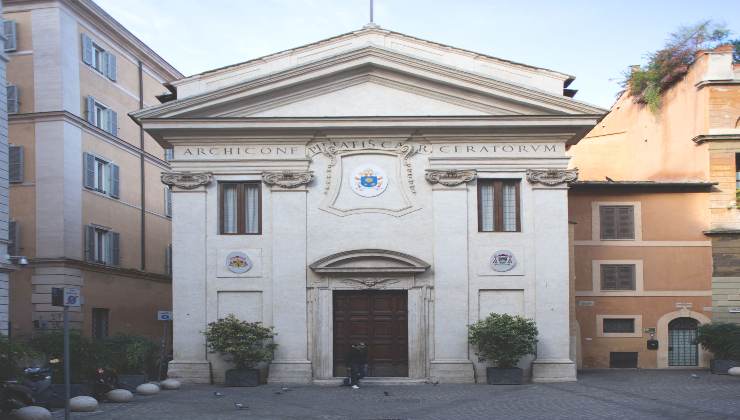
(371, 187)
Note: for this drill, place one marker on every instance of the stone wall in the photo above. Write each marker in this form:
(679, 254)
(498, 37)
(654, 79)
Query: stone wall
(726, 277)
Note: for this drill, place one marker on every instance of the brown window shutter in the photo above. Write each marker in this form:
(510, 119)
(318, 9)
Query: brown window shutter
(625, 222)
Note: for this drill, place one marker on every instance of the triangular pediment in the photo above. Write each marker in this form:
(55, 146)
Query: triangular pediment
(370, 81)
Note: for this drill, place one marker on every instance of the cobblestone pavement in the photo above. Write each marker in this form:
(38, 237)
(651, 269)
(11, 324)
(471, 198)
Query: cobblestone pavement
(597, 395)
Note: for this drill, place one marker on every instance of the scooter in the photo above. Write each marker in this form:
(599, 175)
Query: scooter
(14, 396)
(34, 388)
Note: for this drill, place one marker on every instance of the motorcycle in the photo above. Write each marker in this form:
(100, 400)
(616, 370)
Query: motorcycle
(34, 388)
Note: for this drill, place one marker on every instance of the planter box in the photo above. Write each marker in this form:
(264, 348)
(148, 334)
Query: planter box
(504, 376)
(242, 377)
(130, 382)
(720, 367)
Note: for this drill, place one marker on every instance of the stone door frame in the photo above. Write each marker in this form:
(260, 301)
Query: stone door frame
(386, 270)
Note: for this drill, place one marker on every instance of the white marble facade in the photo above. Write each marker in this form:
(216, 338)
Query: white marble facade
(429, 119)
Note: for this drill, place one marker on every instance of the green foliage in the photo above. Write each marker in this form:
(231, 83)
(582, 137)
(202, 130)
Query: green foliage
(736, 53)
(14, 357)
(130, 354)
(85, 354)
(668, 65)
(244, 343)
(720, 338)
(503, 339)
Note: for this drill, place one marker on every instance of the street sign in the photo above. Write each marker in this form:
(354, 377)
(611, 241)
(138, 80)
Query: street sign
(164, 315)
(72, 296)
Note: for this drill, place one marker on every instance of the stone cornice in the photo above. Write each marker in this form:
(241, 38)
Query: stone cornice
(100, 268)
(450, 177)
(84, 125)
(551, 177)
(186, 180)
(703, 138)
(287, 179)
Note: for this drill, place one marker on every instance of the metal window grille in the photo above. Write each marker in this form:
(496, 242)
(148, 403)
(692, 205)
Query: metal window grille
(682, 347)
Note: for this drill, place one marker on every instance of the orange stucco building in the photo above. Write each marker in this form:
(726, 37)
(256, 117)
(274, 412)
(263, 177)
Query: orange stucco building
(656, 224)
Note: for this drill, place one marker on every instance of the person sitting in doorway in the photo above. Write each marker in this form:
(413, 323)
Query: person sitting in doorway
(357, 359)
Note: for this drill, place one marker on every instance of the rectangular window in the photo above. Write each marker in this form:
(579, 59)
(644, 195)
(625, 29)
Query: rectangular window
(169, 154)
(498, 206)
(619, 325)
(14, 237)
(240, 208)
(167, 201)
(101, 116)
(100, 319)
(102, 245)
(168, 260)
(737, 177)
(623, 359)
(98, 58)
(617, 277)
(13, 103)
(101, 175)
(617, 222)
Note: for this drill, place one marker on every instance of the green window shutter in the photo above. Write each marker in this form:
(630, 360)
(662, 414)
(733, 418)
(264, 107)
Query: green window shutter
(110, 66)
(112, 122)
(115, 249)
(87, 50)
(12, 92)
(90, 109)
(114, 190)
(15, 164)
(14, 236)
(88, 170)
(11, 35)
(89, 243)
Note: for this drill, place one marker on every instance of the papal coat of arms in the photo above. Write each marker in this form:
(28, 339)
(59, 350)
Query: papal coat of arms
(503, 260)
(238, 262)
(368, 180)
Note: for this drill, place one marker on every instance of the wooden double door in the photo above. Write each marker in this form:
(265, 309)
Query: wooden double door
(379, 319)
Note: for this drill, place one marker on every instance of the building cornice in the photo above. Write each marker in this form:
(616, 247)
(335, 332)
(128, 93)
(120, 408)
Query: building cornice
(704, 138)
(100, 268)
(75, 120)
(90, 11)
(719, 82)
(657, 186)
(722, 232)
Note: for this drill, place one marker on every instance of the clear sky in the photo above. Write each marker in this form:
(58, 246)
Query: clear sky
(594, 40)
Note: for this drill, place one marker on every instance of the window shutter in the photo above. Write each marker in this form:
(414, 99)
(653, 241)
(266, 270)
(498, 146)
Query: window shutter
(110, 68)
(87, 50)
(168, 259)
(15, 163)
(11, 35)
(12, 92)
(608, 220)
(14, 235)
(114, 190)
(112, 122)
(89, 243)
(167, 201)
(114, 253)
(90, 109)
(89, 170)
(625, 222)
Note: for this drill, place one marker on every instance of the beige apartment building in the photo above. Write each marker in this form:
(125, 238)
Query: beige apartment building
(657, 226)
(88, 208)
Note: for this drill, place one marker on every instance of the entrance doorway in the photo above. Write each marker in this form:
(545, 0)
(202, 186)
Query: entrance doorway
(378, 318)
(682, 347)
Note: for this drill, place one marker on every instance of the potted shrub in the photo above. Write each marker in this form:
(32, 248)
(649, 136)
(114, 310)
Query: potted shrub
(503, 339)
(723, 340)
(246, 344)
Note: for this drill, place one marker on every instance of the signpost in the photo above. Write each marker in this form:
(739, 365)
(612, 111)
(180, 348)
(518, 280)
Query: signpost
(166, 317)
(66, 297)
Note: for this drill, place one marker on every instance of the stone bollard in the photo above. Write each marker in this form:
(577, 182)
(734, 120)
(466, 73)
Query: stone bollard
(147, 389)
(31, 413)
(119, 396)
(734, 371)
(170, 384)
(83, 404)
